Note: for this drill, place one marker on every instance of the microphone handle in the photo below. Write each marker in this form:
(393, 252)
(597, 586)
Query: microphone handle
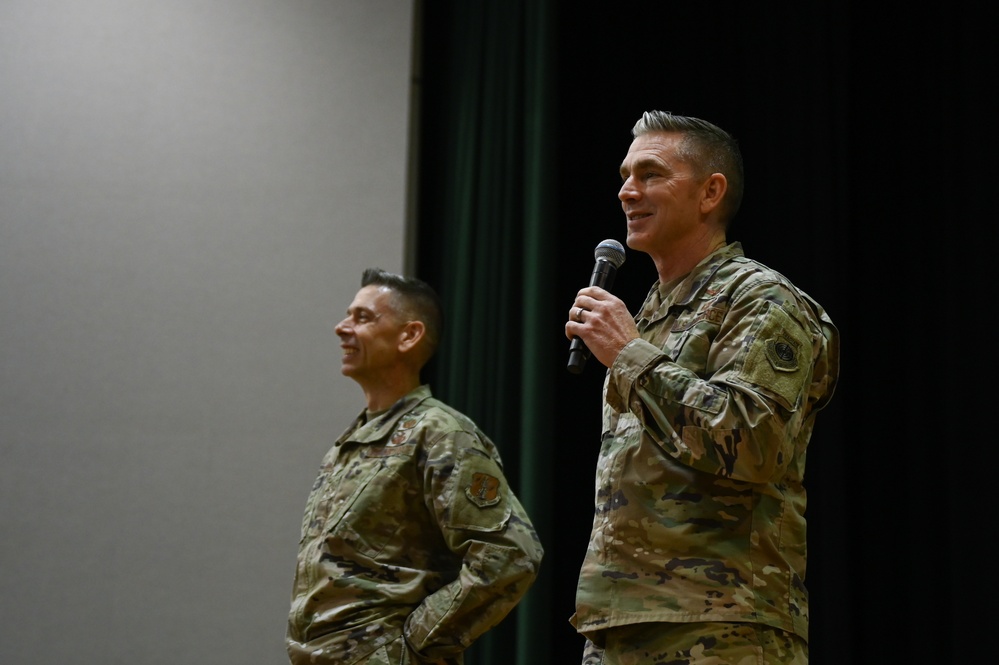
(603, 276)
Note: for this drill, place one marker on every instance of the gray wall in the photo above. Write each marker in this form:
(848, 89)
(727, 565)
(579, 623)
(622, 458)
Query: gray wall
(189, 191)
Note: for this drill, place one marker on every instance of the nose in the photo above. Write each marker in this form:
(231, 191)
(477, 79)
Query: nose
(628, 191)
(342, 328)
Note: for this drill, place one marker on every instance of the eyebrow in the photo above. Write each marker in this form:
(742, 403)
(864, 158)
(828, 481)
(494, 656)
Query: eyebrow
(642, 163)
(361, 309)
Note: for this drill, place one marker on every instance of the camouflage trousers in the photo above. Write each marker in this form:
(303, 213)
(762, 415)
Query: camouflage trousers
(696, 644)
(395, 652)
(398, 653)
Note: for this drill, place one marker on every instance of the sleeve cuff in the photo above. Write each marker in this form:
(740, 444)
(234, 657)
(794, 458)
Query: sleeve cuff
(632, 362)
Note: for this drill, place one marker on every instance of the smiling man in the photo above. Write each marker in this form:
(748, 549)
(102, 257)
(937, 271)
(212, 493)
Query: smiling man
(413, 543)
(698, 548)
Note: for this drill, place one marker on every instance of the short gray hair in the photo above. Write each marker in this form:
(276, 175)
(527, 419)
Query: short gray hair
(706, 147)
(414, 298)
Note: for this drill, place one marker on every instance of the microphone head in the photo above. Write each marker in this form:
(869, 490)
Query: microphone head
(610, 250)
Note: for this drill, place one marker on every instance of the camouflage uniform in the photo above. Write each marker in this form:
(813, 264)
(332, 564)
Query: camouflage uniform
(717, 643)
(413, 544)
(699, 497)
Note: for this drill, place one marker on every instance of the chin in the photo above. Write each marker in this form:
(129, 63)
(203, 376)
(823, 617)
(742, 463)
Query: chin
(634, 241)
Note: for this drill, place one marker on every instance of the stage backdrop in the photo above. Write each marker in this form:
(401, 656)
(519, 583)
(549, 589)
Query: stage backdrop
(189, 192)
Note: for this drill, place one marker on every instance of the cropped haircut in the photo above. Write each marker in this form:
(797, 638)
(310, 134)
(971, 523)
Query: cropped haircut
(706, 147)
(414, 299)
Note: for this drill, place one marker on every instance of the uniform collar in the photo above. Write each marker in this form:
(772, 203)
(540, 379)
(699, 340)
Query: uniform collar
(703, 272)
(384, 424)
(657, 304)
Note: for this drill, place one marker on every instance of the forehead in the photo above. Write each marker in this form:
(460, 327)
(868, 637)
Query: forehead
(373, 297)
(652, 148)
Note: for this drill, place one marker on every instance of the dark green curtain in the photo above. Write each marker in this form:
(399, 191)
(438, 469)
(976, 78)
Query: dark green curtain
(482, 239)
(870, 153)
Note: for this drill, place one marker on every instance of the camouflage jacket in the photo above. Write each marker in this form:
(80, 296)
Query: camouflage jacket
(699, 497)
(411, 531)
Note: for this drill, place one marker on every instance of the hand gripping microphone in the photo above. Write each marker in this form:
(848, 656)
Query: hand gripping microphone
(610, 256)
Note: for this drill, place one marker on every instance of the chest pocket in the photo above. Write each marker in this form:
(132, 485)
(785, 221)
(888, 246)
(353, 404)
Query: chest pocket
(688, 338)
(373, 506)
(332, 495)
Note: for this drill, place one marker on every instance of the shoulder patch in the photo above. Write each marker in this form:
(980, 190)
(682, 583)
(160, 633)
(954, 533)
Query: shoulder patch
(779, 356)
(783, 352)
(483, 491)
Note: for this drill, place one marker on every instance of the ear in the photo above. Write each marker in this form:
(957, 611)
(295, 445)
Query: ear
(411, 335)
(712, 192)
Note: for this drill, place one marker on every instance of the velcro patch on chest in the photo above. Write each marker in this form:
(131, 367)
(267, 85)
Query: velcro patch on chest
(404, 429)
(401, 442)
(710, 314)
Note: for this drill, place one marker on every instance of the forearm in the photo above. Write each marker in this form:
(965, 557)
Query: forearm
(492, 580)
(711, 425)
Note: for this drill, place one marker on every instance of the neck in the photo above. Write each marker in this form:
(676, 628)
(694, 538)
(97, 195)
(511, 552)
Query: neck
(384, 394)
(680, 260)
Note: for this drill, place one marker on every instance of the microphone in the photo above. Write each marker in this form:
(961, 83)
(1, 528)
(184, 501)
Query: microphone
(609, 255)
